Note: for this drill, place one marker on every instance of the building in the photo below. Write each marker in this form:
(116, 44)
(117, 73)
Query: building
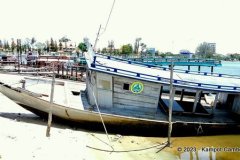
(212, 47)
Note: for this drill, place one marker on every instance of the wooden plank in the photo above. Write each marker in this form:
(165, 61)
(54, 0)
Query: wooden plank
(136, 109)
(134, 103)
(145, 93)
(140, 98)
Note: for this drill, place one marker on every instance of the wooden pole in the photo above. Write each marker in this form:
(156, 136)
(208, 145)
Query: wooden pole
(76, 73)
(171, 99)
(182, 94)
(67, 72)
(199, 69)
(50, 109)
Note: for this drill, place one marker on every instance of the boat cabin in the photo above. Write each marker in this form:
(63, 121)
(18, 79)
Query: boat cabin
(115, 83)
(122, 92)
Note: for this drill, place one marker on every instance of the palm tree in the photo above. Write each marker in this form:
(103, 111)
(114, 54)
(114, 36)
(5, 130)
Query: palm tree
(65, 40)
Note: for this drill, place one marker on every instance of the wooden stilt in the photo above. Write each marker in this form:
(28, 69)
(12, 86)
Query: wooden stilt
(67, 72)
(71, 71)
(62, 70)
(50, 109)
(199, 69)
(76, 73)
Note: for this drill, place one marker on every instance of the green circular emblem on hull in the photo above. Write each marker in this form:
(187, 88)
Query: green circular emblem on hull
(137, 87)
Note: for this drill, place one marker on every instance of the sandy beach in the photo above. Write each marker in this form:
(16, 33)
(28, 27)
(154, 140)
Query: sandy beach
(22, 136)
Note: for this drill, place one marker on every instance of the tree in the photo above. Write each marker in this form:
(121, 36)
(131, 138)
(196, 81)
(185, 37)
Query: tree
(111, 46)
(13, 45)
(60, 46)
(47, 46)
(65, 40)
(55, 46)
(136, 45)
(127, 49)
(1, 44)
(40, 46)
(83, 48)
(33, 41)
(104, 50)
(26, 45)
(52, 47)
(6, 45)
(204, 49)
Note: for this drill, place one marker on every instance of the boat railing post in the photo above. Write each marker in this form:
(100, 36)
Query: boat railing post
(215, 102)
(182, 94)
(171, 99)
(196, 100)
(67, 72)
(50, 108)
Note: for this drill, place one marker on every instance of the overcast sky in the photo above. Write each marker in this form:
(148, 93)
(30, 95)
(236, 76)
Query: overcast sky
(168, 25)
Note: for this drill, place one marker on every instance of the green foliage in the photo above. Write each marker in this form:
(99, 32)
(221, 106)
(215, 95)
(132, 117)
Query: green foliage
(204, 48)
(60, 46)
(53, 46)
(13, 45)
(136, 45)
(82, 46)
(127, 49)
(166, 54)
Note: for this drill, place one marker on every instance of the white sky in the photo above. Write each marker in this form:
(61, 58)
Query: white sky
(168, 25)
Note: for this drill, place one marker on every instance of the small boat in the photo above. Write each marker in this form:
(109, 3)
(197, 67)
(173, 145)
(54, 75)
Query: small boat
(131, 94)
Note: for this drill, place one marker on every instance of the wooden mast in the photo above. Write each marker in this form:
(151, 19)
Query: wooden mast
(171, 99)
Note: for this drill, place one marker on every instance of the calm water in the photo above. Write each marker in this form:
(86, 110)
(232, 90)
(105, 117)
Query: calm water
(232, 68)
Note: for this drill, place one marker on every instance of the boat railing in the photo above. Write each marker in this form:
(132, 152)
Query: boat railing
(163, 80)
(166, 68)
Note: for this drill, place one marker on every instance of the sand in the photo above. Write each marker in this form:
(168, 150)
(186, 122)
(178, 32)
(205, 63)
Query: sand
(22, 136)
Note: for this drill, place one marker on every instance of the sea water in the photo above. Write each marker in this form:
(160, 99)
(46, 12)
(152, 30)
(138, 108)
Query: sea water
(231, 68)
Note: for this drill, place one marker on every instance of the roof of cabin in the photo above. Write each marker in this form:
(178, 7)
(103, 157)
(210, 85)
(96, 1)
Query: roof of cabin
(206, 81)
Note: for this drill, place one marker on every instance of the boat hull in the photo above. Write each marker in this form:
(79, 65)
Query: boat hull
(116, 123)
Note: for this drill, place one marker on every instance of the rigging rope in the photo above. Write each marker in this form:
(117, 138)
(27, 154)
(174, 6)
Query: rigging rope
(110, 13)
(95, 100)
(163, 145)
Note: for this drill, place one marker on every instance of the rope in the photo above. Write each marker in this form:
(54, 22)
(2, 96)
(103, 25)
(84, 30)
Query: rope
(110, 13)
(199, 130)
(163, 145)
(101, 118)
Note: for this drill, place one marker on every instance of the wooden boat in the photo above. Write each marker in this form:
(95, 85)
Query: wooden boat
(130, 95)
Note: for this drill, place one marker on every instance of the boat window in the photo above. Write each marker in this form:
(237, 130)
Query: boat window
(125, 86)
(104, 84)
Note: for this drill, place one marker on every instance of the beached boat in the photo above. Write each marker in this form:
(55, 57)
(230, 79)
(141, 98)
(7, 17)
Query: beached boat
(127, 93)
